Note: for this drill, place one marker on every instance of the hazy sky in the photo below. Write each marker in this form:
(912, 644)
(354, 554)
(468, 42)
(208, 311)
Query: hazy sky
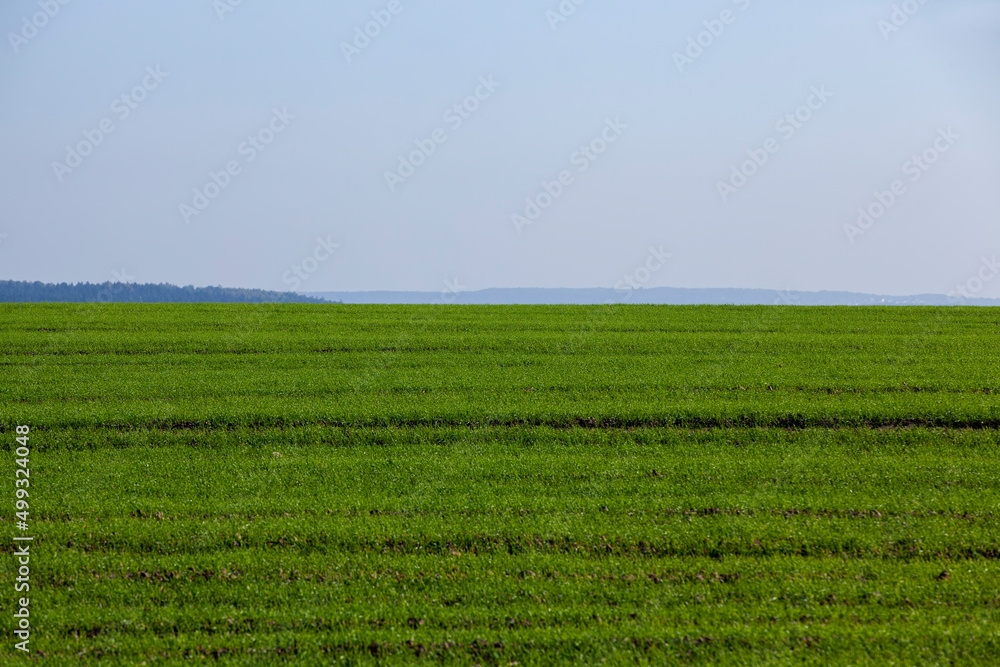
(276, 145)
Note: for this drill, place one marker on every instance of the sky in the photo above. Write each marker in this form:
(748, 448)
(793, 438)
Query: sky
(317, 146)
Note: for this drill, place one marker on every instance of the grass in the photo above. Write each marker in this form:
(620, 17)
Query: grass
(529, 485)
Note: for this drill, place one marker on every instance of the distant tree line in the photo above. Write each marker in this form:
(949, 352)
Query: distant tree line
(19, 291)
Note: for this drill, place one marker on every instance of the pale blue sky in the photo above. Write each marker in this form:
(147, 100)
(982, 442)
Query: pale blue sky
(679, 133)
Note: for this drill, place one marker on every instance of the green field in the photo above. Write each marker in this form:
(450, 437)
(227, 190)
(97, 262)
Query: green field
(505, 485)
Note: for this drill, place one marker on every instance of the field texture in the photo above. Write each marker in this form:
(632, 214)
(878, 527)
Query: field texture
(505, 485)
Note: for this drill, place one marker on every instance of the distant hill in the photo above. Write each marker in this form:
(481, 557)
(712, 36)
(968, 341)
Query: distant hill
(17, 291)
(654, 295)
(13, 291)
